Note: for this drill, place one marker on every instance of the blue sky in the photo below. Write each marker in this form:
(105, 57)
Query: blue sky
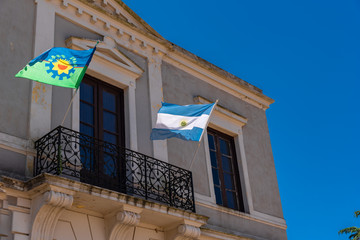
(305, 55)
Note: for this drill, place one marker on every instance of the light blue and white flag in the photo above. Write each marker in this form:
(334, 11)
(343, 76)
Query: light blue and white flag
(185, 122)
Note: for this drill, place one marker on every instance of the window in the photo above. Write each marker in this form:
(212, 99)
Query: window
(101, 117)
(101, 111)
(225, 170)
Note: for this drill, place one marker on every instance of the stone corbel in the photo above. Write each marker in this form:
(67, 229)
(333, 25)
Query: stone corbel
(47, 208)
(121, 224)
(184, 232)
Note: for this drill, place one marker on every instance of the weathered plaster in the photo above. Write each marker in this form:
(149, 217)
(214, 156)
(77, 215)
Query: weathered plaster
(16, 50)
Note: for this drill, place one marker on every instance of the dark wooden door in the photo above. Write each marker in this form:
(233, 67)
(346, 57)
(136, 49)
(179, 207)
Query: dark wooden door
(102, 117)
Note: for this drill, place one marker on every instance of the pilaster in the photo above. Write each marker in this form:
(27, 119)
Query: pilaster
(156, 97)
(41, 94)
(245, 172)
(132, 116)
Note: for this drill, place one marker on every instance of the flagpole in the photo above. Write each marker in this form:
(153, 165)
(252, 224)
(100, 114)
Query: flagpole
(67, 111)
(72, 99)
(207, 123)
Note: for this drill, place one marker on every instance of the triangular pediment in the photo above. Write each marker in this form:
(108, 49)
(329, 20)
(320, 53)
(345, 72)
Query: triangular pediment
(107, 50)
(121, 11)
(110, 54)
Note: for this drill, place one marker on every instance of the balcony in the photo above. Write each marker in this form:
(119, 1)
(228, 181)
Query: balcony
(86, 159)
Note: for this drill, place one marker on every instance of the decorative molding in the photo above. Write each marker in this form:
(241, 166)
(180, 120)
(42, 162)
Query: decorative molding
(19, 209)
(93, 19)
(16, 144)
(208, 233)
(226, 113)
(216, 80)
(106, 26)
(120, 32)
(104, 2)
(184, 232)
(188, 232)
(79, 12)
(58, 199)
(118, 29)
(121, 224)
(114, 67)
(128, 218)
(270, 220)
(132, 38)
(106, 50)
(143, 45)
(47, 208)
(117, 10)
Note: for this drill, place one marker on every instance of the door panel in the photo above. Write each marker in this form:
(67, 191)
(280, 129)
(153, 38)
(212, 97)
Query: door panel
(101, 117)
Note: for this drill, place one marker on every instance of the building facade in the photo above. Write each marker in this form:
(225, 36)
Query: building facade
(98, 175)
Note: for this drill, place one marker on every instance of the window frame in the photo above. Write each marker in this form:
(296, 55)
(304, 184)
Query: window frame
(99, 86)
(115, 73)
(98, 163)
(230, 123)
(234, 167)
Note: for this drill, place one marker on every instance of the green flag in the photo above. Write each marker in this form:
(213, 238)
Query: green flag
(58, 66)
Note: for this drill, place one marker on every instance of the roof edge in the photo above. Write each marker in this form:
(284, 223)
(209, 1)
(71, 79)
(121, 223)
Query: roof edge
(172, 47)
(219, 71)
(138, 18)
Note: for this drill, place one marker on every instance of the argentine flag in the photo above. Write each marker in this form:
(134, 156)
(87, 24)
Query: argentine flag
(184, 122)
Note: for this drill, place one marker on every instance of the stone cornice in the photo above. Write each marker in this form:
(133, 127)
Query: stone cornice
(45, 182)
(138, 18)
(144, 42)
(144, 28)
(198, 60)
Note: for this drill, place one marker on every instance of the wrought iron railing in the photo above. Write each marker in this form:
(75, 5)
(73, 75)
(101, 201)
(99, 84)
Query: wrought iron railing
(77, 156)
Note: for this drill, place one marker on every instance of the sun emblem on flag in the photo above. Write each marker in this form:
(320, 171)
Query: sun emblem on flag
(60, 68)
(183, 123)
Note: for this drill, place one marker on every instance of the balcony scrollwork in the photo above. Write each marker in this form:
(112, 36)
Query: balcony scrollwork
(83, 158)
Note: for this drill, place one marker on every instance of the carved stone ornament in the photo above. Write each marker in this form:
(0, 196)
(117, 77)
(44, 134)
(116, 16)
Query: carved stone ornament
(47, 210)
(122, 225)
(128, 218)
(187, 232)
